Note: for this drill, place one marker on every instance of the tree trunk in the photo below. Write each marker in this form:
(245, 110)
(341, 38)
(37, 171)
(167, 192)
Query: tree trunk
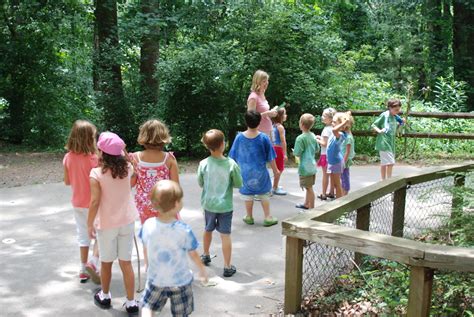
(463, 46)
(111, 99)
(149, 54)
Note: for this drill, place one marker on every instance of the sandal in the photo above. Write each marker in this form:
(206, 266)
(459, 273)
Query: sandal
(332, 196)
(322, 197)
(248, 220)
(270, 222)
(301, 206)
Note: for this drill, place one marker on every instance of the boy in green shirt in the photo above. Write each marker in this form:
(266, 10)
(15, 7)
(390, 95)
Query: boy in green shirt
(305, 148)
(386, 126)
(217, 176)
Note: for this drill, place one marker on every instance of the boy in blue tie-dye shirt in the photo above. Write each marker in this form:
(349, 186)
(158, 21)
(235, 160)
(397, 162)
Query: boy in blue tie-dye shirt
(169, 242)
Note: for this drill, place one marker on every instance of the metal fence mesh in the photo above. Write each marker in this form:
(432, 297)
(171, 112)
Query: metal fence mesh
(426, 207)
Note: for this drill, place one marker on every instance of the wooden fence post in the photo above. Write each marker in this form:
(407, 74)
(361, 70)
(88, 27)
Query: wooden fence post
(398, 220)
(459, 181)
(293, 274)
(421, 283)
(362, 223)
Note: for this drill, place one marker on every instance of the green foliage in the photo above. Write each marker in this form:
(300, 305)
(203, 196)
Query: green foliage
(450, 95)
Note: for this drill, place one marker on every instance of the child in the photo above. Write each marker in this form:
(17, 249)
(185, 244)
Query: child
(326, 134)
(334, 153)
(305, 148)
(113, 213)
(78, 162)
(279, 145)
(218, 175)
(348, 153)
(168, 240)
(386, 127)
(252, 150)
(152, 165)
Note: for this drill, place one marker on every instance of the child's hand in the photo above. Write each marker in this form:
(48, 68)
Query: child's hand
(318, 137)
(384, 130)
(91, 232)
(285, 158)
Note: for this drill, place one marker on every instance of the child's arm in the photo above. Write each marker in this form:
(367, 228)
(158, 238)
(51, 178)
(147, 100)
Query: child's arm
(93, 206)
(275, 170)
(66, 177)
(281, 130)
(174, 170)
(197, 260)
(322, 140)
(236, 176)
(338, 128)
(377, 123)
(200, 175)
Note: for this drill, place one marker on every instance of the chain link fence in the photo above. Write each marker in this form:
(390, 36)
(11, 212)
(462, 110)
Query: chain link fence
(427, 205)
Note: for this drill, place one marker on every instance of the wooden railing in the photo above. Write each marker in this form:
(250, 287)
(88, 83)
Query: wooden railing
(423, 258)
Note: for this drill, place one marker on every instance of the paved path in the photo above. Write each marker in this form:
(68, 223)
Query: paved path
(38, 271)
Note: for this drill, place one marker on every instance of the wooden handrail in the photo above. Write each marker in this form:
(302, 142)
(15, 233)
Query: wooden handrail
(438, 115)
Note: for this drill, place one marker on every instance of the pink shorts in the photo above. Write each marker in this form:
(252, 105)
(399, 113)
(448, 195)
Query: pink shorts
(280, 158)
(323, 161)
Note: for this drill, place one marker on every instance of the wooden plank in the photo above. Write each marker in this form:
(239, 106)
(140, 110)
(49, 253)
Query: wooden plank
(398, 216)
(421, 135)
(362, 223)
(438, 115)
(456, 205)
(421, 284)
(293, 274)
(446, 258)
(437, 173)
(379, 245)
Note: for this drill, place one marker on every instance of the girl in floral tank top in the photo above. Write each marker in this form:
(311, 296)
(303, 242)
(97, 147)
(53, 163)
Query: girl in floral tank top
(152, 165)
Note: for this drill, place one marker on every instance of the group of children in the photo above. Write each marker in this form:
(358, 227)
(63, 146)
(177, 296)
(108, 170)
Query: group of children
(102, 175)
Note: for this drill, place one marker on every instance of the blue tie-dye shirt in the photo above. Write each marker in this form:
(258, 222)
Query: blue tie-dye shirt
(168, 245)
(252, 156)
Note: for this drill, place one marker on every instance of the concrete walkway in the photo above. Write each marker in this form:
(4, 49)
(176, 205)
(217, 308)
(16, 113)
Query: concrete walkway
(39, 255)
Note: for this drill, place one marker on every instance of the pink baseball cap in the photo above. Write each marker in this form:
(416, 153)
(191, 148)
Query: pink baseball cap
(110, 143)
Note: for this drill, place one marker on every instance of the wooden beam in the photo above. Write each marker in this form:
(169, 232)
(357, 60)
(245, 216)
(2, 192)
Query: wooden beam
(362, 223)
(293, 274)
(398, 216)
(422, 135)
(438, 115)
(437, 173)
(456, 205)
(421, 284)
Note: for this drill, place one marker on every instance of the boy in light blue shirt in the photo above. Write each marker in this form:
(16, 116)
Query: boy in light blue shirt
(169, 242)
(252, 150)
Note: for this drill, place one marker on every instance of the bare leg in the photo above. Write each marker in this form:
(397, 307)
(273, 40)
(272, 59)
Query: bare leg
(331, 186)
(95, 251)
(325, 181)
(128, 278)
(105, 276)
(207, 239)
(226, 248)
(84, 254)
(389, 170)
(145, 257)
(249, 208)
(336, 180)
(266, 208)
(276, 181)
(310, 197)
(383, 171)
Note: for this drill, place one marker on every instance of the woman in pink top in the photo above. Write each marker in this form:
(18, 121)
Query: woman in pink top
(78, 162)
(112, 215)
(257, 101)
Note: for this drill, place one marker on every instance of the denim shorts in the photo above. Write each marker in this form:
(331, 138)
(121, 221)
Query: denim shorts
(222, 222)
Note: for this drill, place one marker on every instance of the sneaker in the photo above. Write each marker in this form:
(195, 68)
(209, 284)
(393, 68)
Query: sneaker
(205, 259)
(93, 272)
(83, 277)
(279, 191)
(104, 303)
(132, 309)
(270, 222)
(229, 271)
(248, 220)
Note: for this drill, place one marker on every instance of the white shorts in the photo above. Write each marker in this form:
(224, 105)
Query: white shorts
(116, 242)
(387, 158)
(80, 215)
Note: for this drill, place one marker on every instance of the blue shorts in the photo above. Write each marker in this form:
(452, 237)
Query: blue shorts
(182, 301)
(222, 222)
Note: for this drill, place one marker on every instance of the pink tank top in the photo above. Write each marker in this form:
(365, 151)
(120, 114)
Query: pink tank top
(148, 174)
(262, 106)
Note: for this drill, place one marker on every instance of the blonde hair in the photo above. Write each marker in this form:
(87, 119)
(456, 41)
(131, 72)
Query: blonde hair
(329, 113)
(165, 194)
(307, 120)
(154, 134)
(340, 116)
(257, 79)
(213, 139)
(82, 138)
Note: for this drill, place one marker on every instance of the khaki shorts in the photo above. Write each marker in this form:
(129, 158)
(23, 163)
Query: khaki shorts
(307, 181)
(387, 158)
(256, 197)
(116, 243)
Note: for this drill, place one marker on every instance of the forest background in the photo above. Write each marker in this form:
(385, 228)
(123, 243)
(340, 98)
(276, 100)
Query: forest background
(190, 64)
